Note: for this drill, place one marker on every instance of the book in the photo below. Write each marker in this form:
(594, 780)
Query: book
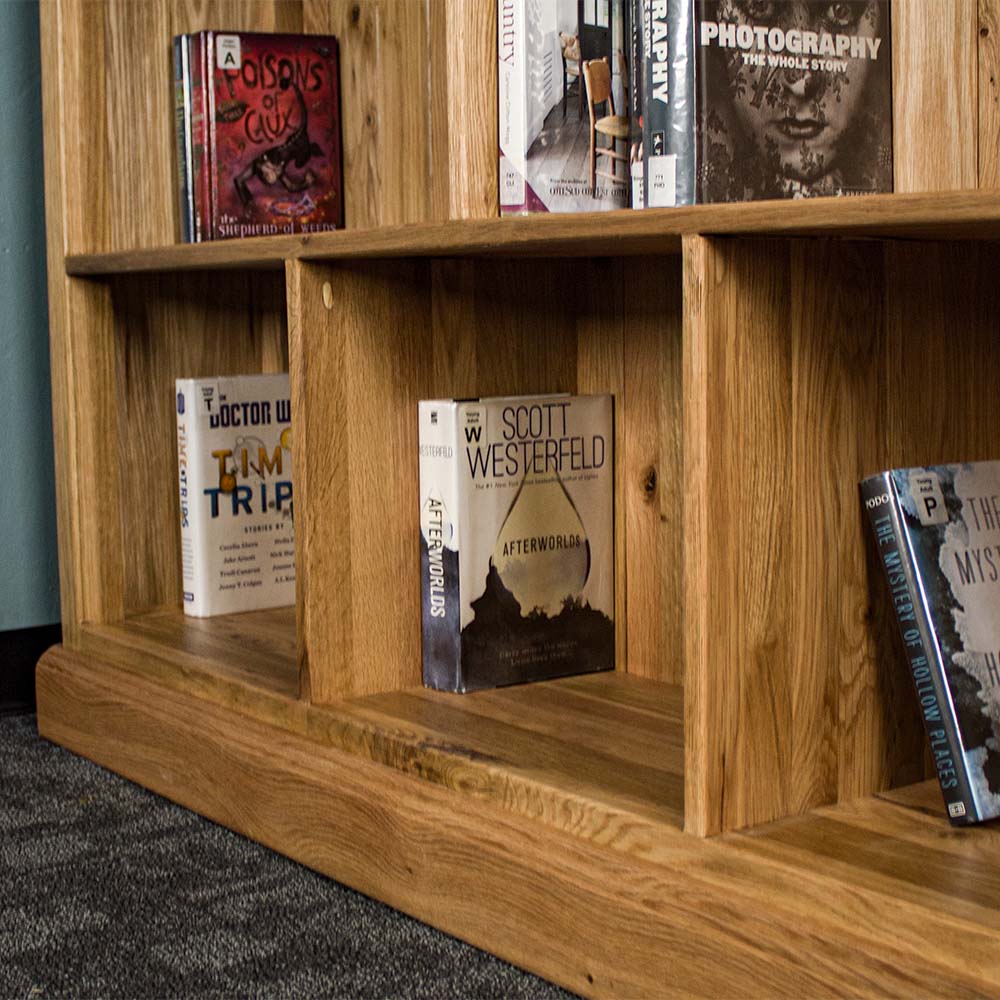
(516, 535)
(182, 129)
(263, 120)
(937, 532)
(234, 464)
(200, 166)
(752, 99)
(636, 63)
(559, 150)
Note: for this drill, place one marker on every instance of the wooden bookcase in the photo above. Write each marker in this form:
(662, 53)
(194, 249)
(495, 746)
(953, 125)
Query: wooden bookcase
(733, 810)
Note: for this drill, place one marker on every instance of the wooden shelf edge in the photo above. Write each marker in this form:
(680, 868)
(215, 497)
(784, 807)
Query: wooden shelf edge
(973, 215)
(704, 921)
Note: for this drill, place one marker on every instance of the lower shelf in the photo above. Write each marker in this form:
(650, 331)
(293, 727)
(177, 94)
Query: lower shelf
(538, 823)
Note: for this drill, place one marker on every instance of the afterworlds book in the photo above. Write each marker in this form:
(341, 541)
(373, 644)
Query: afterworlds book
(234, 459)
(751, 99)
(937, 531)
(516, 539)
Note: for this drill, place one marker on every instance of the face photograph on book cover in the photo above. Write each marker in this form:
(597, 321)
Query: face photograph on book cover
(802, 114)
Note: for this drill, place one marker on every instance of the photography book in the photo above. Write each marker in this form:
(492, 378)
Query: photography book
(560, 151)
(937, 532)
(746, 100)
(516, 539)
(234, 463)
(262, 140)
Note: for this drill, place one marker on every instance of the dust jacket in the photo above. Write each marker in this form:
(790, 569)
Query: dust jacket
(265, 133)
(234, 465)
(937, 531)
(516, 539)
(549, 131)
(756, 99)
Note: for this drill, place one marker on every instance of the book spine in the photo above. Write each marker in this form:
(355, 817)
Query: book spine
(683, 100)
(182, 122)
(635, 110)
(189, 492)
(513, 110)
(880, 501)
(211, 174)
(199, 157)
(441, 613)
(669, 103)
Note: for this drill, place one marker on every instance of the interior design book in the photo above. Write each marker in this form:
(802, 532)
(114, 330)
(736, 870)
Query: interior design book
(234, 459)
(516, 539)
(752, 99)
(263, 133)
(937, 531)
(563, 112)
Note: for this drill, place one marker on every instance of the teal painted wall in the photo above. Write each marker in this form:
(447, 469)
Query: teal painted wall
(29, 583)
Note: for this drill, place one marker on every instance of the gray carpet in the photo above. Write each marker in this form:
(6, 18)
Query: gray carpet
(107, 890)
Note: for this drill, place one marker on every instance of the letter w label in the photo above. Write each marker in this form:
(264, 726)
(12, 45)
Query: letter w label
(473, 434)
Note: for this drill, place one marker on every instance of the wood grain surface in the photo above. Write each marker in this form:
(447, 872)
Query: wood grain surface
(989, 93)
(935, 95)
(875, 898)
(600, 755)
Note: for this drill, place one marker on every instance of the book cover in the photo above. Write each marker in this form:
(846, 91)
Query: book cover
(275, 162)
(234, 463)
(769, 99)
(937, 531)
(516, 531)
(563, 147)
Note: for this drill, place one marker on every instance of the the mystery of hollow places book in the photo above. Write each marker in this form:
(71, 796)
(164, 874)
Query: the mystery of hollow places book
(937, 531)
(234, 458)
(516, 525)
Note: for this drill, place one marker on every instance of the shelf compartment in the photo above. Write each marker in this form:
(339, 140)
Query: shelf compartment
(368, 341)
(875, 897)
(967, 215)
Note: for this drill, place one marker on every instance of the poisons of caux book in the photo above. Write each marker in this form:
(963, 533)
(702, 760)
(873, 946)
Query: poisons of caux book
(937, 532)
(234, 458)
(516, 523)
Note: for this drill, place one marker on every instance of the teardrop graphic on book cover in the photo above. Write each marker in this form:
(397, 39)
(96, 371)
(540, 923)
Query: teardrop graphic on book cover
(516, 525)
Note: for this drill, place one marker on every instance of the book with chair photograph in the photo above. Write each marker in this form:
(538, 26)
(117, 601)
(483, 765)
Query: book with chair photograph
(564, 99)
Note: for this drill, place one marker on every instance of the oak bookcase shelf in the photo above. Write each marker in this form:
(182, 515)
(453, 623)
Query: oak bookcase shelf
(740, 805)
(965, 215)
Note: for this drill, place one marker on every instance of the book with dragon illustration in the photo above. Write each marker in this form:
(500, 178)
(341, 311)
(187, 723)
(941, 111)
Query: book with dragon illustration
(516, 525)
(937, 531)
(271, 158)
(234, 464)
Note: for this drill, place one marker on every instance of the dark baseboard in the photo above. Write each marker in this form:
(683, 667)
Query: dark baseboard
(19, 652)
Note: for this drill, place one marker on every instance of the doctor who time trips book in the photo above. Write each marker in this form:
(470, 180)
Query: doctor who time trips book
(517, 561)
(937, 531)
(234, 458)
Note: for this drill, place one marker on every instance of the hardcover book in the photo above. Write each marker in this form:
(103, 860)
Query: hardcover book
(264, 128)
(234, 458)
(517, 561)
(564, 141)
(752, 99)
(937, 531)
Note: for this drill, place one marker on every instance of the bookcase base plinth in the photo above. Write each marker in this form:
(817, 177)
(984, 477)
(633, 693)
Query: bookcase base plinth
(860, 898)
